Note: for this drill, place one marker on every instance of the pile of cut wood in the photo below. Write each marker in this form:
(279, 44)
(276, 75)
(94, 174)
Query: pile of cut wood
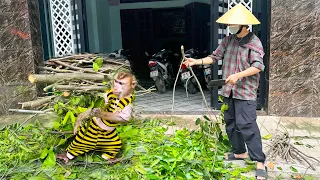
(82, 73)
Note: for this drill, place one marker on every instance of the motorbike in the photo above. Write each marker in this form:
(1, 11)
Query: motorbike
(202, 72)
(119, 54)
(161, 69)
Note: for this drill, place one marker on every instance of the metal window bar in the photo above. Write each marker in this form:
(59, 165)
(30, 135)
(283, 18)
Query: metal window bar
(66, 26)
(78, 26)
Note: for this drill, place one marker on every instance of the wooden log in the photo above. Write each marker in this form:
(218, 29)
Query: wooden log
(37, 102)
(76, 68)
(26, 111)
(115, 62)
(62, 132)
(75, 56)
(81, 88)
(56, 70)
(52, 78)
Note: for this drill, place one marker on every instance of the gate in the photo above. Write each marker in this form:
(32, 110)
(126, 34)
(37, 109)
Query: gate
(218, 31)
(62, 24)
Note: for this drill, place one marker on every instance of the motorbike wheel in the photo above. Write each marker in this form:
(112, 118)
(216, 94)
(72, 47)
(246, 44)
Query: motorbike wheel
(191, 87)
(160, 85)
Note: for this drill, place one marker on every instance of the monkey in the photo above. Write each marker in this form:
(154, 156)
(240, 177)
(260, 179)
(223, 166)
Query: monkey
(101, 132)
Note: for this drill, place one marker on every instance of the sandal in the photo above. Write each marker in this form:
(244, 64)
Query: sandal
(262, 173)
(231, 157)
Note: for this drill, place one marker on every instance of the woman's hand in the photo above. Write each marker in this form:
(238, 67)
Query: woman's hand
(190, 62)
(232, 79)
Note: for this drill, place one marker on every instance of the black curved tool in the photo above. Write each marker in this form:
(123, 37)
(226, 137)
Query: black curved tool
(216, 83)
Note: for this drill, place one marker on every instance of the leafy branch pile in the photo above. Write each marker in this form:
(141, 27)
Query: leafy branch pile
(30, 153)
(281, 146)
(82, 72)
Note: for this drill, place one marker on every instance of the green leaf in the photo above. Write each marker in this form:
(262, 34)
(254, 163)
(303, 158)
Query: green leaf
(249, 162)
(188, 176)
(198, 121)
(168, 159)
(96, 175)
(56, 125)
(72, 176)
(165, 165)
(44, 153)
(99, 103)
(36, 178)
(293, 169)
(97, 64)
(220, 98)
(152, 176)
(199, 173)
(61, 142)
(206, 118)
(65, 119)
(56, 107)
(68, 116)
(280, 168)
(267, 137)
(96, 67)
(50, 160)
(90, 159)
(298, 143)
(308, 177)
(191, 155)
(141, 170)
(24, 148)
(99, 61)
(155, 162)
(309, 146)
(81, 109)
(73, 118)
(224, 107)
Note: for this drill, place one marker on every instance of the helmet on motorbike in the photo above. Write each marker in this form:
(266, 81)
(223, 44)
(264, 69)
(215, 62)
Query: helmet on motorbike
(238, 15)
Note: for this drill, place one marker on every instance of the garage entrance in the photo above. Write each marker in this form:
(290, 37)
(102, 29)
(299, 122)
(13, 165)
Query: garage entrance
(145, 27)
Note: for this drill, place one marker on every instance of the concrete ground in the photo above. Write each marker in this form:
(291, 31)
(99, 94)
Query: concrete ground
(306, 131)
(155, 103)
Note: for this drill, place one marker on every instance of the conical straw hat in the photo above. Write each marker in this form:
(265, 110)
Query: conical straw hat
(238, 15)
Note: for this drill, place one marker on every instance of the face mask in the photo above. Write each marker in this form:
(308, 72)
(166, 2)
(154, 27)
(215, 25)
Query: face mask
(234, 29)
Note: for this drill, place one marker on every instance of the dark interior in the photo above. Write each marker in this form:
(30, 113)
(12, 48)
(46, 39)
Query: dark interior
(151, 30)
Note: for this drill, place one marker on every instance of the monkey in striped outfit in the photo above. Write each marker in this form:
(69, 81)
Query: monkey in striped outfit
(100, 133)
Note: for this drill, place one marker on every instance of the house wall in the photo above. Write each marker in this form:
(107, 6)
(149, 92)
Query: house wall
(99, 27)
(20, 51)
(294, 82)
(105, 36)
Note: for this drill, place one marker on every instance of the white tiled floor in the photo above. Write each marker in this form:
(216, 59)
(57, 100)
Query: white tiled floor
(162, 103)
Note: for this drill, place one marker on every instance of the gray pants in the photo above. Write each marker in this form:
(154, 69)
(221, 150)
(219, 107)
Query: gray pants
(242, 128)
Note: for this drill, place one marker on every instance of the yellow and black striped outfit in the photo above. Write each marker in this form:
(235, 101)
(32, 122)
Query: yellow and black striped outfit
(96, 138)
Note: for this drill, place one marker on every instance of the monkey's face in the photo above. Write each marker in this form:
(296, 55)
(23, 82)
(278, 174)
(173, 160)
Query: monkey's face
(123, 87)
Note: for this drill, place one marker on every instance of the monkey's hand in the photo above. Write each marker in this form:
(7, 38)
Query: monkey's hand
(96, 112)
(79, 120)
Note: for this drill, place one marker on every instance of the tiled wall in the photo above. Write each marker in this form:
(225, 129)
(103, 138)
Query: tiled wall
(20, 50)
(295, 58)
